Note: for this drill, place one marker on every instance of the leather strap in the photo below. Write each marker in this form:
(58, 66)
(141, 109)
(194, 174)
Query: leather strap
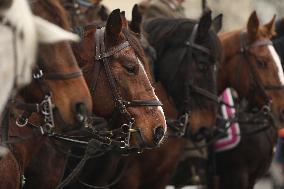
(113, 51)
(190, 42)
(62, 76)
(142, 103)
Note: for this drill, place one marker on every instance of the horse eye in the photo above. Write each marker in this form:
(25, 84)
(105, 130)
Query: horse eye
(131, 69)
(261, 64)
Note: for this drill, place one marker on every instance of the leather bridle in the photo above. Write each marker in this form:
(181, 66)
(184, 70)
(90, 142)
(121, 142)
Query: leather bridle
(181, 126)
(46, 107)
(102, 57)
(254, 76)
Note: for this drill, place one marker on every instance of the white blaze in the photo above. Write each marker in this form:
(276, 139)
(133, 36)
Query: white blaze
(159, 107)
(278, 63)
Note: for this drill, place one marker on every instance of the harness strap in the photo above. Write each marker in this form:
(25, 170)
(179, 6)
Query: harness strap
(256, 78)
(62, 76)
(74, 173)
(110, 76)
(113, 51)
(29, 107)
(142, 103)
(190, 42)
(205, 93)
(121, 172)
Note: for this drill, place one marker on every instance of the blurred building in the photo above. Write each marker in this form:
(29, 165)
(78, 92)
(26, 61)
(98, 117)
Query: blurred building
(235, 13)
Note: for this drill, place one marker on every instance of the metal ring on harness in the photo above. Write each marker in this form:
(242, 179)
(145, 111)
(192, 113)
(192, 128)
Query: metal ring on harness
(21, 123)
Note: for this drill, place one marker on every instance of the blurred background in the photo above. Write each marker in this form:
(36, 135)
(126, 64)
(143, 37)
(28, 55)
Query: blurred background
(235, 12)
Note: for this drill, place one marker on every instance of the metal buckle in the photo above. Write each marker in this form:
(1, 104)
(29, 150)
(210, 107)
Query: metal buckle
(266, 109)
(108, 141)
(46, 110)
(38, 74)
(123, 145)
(184, 119)
(132, 130)
(21, 124)
(125, 128)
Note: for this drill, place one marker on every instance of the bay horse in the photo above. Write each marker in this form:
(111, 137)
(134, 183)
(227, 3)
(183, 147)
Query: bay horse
(187, 51)
(21, 32)
(127, 66)
(252, 67)
(49, 104)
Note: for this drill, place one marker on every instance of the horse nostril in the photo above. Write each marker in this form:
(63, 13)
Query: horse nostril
(80, 112)
(159, 133)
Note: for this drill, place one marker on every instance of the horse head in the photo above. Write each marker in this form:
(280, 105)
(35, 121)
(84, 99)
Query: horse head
(252, 67)
(113, 60)
(187, 53)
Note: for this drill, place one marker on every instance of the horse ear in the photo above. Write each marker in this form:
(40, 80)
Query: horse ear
(270, 26)
(217, 23)
(252, 26)
(124, 21)
(136, 21)
(204, 25)
(114, 24)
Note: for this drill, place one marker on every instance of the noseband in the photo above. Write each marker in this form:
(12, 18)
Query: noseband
(103, 57)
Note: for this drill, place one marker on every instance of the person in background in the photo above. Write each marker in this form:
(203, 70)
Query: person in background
(163, 8)
(84, 12)
(97, 13)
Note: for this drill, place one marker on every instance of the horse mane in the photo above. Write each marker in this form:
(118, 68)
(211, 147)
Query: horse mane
(59, 14)
(164, 30)
(167, 32)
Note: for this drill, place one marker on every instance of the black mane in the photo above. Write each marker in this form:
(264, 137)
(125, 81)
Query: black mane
(168, 31)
